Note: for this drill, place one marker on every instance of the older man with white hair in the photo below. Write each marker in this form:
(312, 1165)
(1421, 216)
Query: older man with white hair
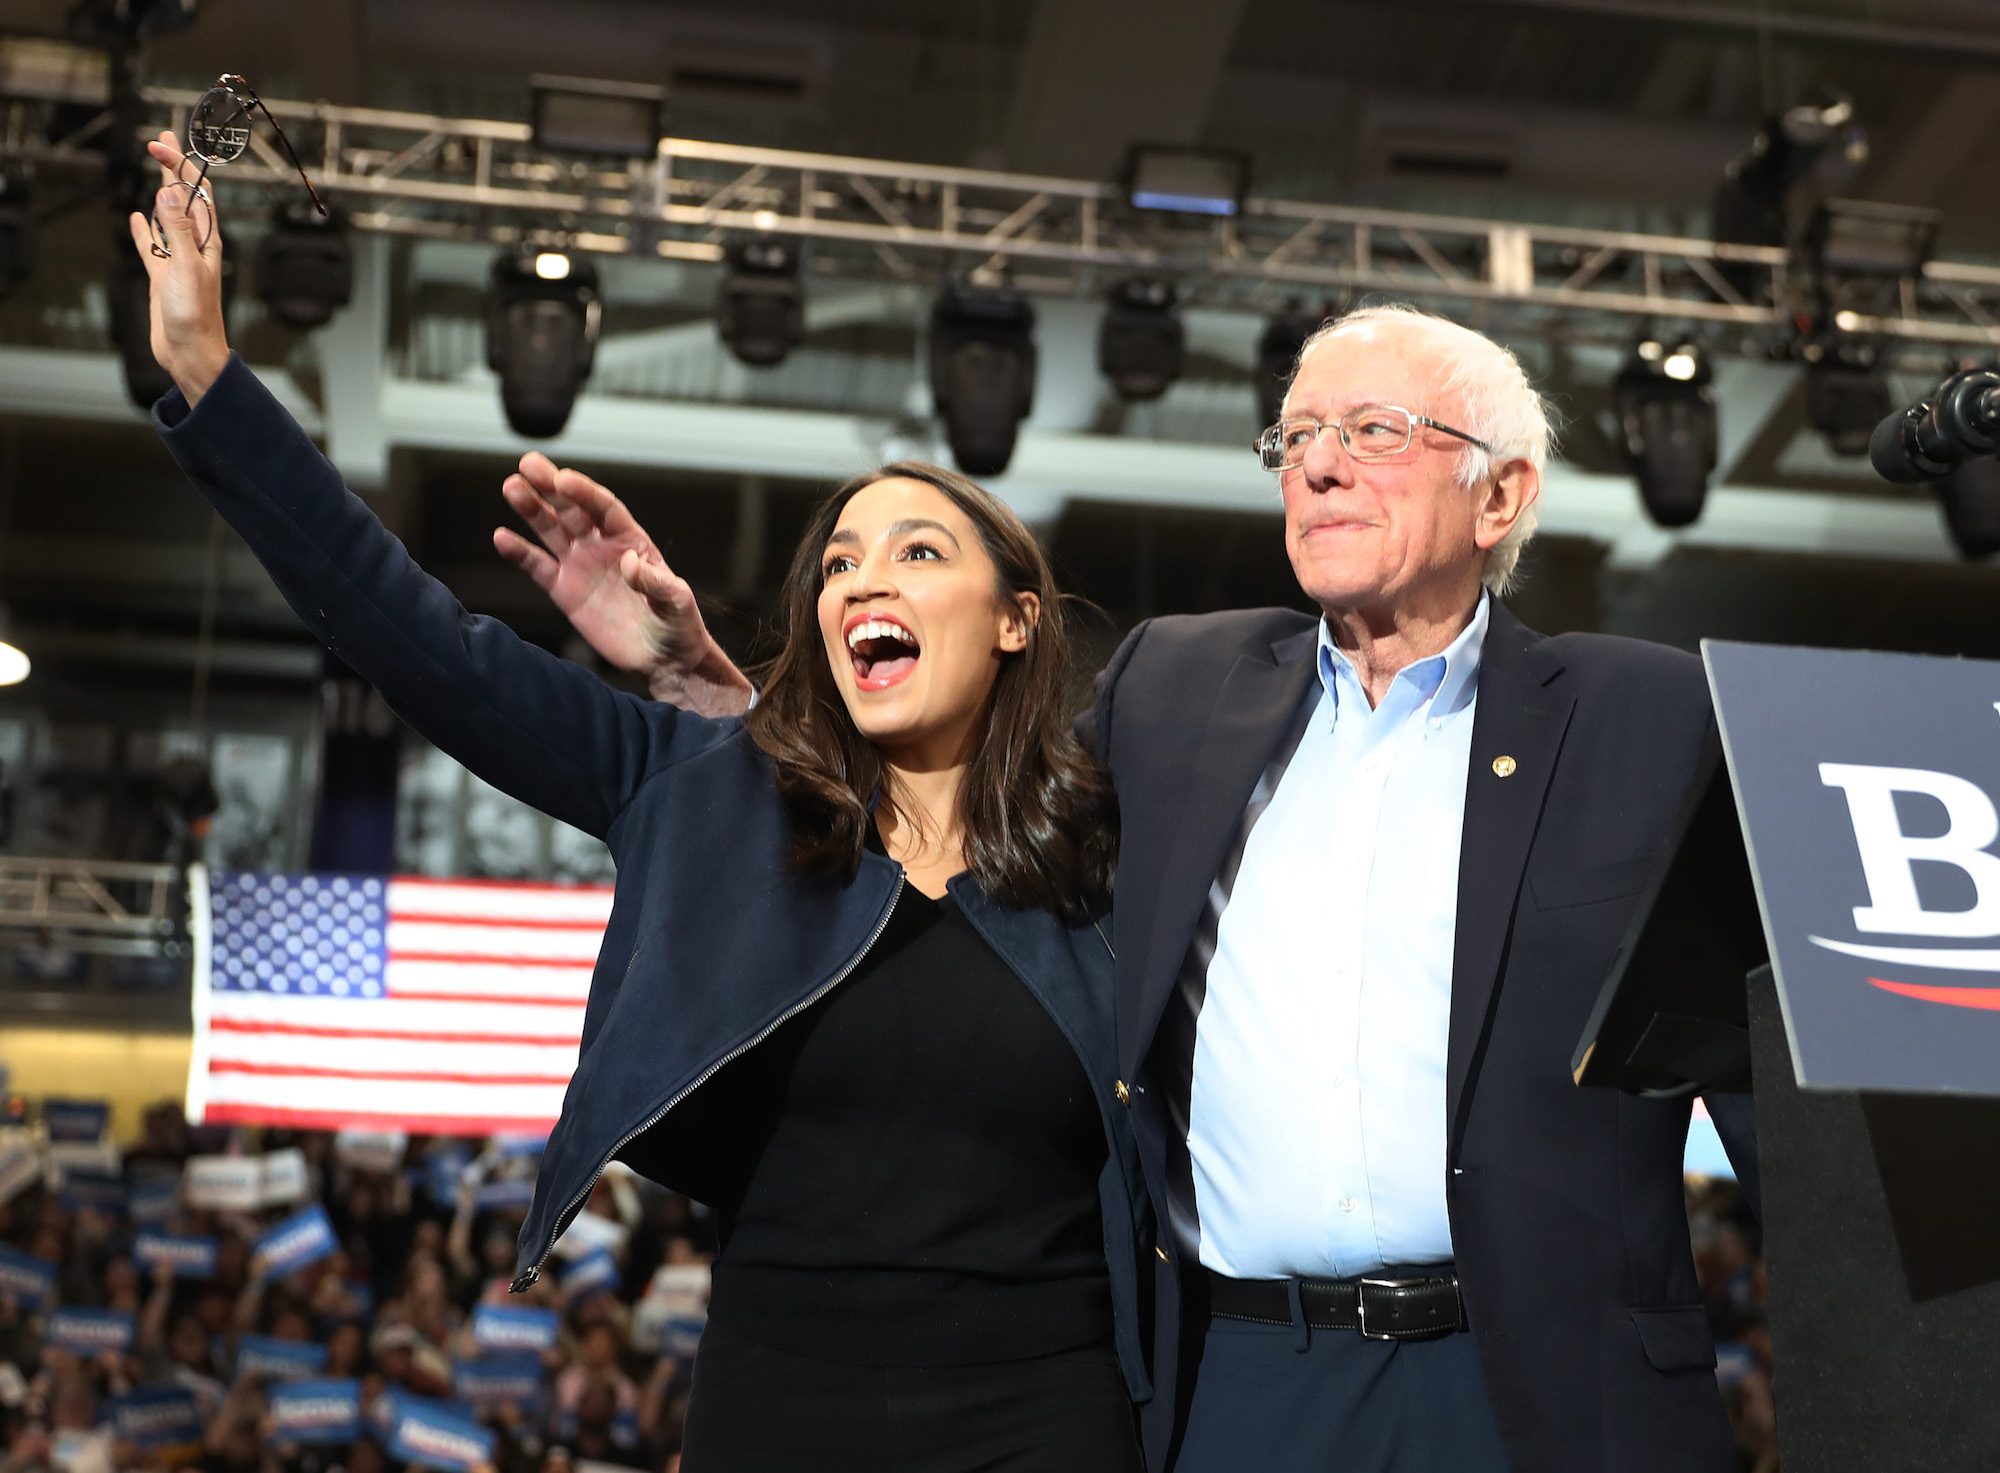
(1375, 867)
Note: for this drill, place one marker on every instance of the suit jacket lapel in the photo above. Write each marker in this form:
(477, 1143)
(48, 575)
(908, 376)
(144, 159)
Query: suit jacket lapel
(1523, 714)
(1252, 714)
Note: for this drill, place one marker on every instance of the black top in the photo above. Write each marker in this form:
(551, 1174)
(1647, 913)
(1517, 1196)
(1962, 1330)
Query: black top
(911, 1168)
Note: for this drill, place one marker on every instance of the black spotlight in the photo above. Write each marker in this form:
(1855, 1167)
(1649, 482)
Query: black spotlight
(982, 373)
(17, 230)
(1751, 206)
(1285, 333)
(1141, 343)
(1847, 394)
(761, 312)
(1666, 419)
(1969, 498)
(305, 264)
(542, 314)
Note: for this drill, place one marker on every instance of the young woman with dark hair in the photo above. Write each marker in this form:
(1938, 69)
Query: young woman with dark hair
(855, 991)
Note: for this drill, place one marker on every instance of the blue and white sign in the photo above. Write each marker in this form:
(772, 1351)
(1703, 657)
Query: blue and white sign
(29, 1279)
(504, 1327)
(76, 1120)
(316, 1411)
(89, 1331)
(191, 1257)
(511, 1191)
(438, 1434)
(20, 1166)
(596, 1270)
(153, 1199)
(491, 1380)
(1869, 790)
(161, 1416)
(100, 1191)
(303, 1238)
(272, 1359)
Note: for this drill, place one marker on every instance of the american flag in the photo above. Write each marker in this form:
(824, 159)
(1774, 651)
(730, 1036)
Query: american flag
(436, 1006)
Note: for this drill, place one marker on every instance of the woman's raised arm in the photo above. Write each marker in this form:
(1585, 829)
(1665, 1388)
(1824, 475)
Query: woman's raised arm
(536, 726)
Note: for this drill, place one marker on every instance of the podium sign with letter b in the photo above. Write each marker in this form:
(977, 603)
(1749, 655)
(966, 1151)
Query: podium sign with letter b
(1869, 790)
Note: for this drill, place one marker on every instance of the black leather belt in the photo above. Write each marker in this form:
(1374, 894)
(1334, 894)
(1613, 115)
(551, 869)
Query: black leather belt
(1379, 1308)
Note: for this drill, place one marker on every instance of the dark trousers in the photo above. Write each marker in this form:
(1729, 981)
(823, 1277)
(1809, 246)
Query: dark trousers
(1280, 1399)
(756, 1409)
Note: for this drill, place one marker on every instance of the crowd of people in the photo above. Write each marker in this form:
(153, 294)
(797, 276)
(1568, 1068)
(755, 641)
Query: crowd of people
(425, 1233)
(389, 1312)
(1729, 1263)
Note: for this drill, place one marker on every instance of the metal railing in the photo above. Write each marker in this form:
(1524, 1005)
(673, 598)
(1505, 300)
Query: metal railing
(480, 179)
(95, 906)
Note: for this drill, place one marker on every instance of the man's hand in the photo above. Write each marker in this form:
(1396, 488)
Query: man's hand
(599, 567)
(188, 336)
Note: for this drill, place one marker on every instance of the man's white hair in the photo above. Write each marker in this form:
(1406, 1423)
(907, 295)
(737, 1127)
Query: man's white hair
(1489, 390)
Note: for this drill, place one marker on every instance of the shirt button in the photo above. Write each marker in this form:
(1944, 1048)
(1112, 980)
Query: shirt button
(1345, 1204)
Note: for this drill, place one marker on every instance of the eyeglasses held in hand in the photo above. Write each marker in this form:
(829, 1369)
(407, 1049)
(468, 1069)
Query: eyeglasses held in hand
(1371, 432)
(218, 132)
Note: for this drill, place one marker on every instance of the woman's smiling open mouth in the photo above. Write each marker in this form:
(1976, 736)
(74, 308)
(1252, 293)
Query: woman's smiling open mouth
(883, 650)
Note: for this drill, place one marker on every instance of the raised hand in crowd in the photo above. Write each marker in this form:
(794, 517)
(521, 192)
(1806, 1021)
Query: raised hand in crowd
(598, 565)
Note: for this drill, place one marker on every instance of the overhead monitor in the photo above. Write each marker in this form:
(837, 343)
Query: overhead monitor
(1193, 181)
(580, 115)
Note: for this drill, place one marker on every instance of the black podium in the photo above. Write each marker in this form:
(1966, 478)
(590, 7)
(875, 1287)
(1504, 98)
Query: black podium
(1881, 1210)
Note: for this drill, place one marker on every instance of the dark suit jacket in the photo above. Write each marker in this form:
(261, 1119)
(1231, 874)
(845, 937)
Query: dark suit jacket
(1566, 1204)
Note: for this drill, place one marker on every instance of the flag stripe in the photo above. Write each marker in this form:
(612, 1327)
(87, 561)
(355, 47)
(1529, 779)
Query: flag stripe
(238, 1025)
(405, 977)
(499, 898)
(403, 1015)
(386, 1076)
(471, 1103)
(468, 943)
(297, 1119)
(366, 1053)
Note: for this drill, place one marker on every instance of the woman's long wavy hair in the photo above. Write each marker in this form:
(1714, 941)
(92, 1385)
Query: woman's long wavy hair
(1037, 818)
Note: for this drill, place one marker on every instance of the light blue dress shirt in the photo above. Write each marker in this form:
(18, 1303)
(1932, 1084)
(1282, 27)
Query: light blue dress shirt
(1316, 1120)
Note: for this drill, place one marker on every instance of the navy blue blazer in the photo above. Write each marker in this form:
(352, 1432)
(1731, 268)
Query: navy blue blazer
(1566, 1205)
(713, 941)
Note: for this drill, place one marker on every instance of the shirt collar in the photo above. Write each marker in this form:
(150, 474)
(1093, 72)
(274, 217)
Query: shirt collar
(1448, 679)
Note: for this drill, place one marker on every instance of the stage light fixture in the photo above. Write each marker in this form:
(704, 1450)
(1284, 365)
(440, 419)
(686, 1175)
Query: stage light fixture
(1141, 342)
(17, 229)
(1750, 206)
(1284, 334)
(982, 365)
(305, 264)
(1666, 417)
(1853, 237)
(541, 335)
(583, 115)
(760, 311)
(1847, 394)
(1969, 500)
(1185, 181)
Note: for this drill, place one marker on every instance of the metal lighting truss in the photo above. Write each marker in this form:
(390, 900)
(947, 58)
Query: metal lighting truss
(464, 178)
(93, 905)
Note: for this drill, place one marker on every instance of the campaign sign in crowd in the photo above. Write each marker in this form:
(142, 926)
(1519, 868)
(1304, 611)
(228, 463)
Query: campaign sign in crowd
(233, 1301)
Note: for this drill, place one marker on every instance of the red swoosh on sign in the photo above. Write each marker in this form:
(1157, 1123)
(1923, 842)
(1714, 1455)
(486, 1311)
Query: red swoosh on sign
(1958, 997)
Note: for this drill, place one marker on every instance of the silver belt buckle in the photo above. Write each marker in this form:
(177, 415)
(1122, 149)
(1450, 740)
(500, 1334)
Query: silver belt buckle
(1361, 1304)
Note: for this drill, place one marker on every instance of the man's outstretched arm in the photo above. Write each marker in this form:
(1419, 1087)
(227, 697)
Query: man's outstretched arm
(598, 566)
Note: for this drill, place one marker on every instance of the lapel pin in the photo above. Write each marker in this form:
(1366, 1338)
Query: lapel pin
(1503, 766)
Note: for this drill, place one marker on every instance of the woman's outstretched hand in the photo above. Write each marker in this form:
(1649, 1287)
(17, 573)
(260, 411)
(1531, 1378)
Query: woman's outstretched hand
(599, 567)
(189, 337)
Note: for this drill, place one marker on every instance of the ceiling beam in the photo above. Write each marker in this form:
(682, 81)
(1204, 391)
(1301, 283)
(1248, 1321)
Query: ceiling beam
(1096, 75)
(1963, 45)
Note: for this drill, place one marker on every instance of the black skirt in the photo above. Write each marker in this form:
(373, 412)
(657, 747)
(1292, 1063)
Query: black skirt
(757, 1409)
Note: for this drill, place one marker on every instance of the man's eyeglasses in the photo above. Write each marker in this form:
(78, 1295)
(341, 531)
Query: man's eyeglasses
(218, 132)
(1371, 432)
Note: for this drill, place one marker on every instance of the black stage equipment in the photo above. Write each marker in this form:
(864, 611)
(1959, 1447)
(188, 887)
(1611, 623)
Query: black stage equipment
(1749, 206)
(1666, 417)
(1185, 181)
(1958, 422)
(1969, 499)
(761, 307)
(1141, 342)
(542, 316)
(1284, 334)
(982, 352)
(1846, 392)
(1854, 237)
(17, 229)
(305, 264)
(582, 115)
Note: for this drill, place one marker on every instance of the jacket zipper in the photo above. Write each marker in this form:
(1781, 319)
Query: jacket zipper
(575, 1204)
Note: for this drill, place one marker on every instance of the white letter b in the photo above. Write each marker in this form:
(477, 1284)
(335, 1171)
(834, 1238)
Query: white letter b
(1886, 851)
